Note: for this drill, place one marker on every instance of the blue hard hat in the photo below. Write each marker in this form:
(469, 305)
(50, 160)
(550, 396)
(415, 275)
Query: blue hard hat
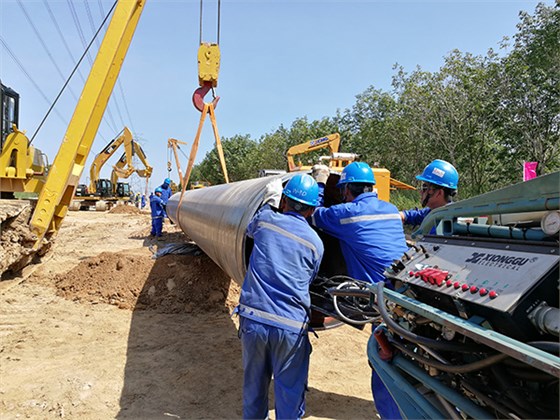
(304, 189)
(356, 172)
(167, 181)
(159, 190)
(441, 173)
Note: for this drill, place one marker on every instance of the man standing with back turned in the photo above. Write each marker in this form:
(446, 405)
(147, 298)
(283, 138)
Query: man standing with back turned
(371, 236)
(274, 306)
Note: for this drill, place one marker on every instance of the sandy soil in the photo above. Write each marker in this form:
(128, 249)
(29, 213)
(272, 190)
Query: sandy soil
(100, 329)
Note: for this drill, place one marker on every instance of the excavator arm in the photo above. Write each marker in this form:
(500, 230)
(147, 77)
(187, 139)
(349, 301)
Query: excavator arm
(124, 139)
(332, 141)
(124, 167)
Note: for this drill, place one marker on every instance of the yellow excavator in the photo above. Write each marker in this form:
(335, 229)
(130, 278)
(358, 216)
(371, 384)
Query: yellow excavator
(102, 193)
(336, 161)
(124, 168)
(28, 226)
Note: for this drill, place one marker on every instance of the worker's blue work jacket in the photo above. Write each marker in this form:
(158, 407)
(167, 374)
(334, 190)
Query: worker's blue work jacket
(166, 193)
(156, 206)
(415, 216)
(370, 232)
(285, 259)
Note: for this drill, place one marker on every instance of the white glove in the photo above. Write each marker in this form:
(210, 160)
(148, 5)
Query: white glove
(273, 193)
(320, 173)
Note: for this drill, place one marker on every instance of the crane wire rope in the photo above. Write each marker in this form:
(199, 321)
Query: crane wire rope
(200, 23)
(72, 73)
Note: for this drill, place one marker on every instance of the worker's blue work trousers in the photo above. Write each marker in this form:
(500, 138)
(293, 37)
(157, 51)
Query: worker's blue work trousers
(384, 402)
(157, 226)
(274, 351)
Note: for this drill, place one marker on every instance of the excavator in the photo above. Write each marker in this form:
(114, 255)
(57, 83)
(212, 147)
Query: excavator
(29, 226)
(124, 168)
(336, 161)
(103, 194)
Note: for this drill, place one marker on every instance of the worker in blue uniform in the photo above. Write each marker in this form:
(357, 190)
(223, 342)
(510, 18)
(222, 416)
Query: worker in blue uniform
(371, 237)
(439, 185)
(275, 304)
(156, 207)
(166, 193)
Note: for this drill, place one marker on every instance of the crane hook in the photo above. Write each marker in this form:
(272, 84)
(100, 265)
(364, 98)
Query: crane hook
(200, 93)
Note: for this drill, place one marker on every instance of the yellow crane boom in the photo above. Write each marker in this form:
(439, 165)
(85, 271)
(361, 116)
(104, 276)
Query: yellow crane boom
(64, 175)
(173, 145)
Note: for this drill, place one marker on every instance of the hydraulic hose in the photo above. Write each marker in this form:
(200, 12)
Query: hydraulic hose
(415, 338)
(469, 367)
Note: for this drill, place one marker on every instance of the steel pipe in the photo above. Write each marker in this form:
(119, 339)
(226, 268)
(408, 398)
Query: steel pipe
(216, 218)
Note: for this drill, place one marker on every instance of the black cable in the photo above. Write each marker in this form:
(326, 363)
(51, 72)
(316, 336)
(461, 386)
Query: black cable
(489, 401)
(468, 367)
(71, 74)
(415, 338)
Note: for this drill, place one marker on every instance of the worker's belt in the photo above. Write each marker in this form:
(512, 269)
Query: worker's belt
(271, 317)
(157, 217)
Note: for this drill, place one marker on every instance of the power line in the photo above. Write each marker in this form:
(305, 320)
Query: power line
(82, 38)
(57, 26)
(123, 96)
(92, 26)
(18, 63)
(67, 47)
(73, 71)
(44, 45)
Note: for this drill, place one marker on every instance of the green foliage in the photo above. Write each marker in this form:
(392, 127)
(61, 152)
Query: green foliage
(405, 199)
(484, 114)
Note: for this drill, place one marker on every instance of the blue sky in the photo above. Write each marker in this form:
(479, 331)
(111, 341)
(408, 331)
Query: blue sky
(280, 60)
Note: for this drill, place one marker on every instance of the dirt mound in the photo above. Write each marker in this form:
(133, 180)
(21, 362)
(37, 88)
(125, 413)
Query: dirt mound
(170, 284)
(125, 209)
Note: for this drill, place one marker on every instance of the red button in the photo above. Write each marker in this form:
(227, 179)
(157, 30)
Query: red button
(474, 289)
(465, 287)
(483, 292)
(440, 278)
(456, 285)
(448, 283)
(493, 294)
(411, 273)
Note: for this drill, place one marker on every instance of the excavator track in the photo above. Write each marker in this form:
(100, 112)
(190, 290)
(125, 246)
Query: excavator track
(16, 238)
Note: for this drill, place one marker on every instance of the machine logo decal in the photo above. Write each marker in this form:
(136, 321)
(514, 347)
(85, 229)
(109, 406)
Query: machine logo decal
(500, 261)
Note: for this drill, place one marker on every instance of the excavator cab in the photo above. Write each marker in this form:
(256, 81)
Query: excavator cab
(123, 190)
(10, 112)
(103, 188)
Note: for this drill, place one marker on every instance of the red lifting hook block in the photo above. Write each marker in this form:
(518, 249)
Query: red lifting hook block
(200, 93)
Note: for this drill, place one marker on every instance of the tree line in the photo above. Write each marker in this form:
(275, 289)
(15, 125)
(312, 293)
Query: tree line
(485, 114)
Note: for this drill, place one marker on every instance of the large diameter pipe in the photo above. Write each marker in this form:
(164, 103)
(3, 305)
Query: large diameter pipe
(216, 218)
